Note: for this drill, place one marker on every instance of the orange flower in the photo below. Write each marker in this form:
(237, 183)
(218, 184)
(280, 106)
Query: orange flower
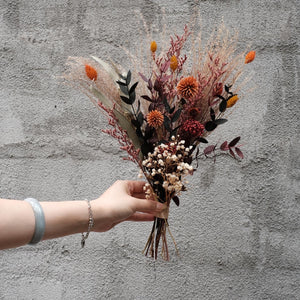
(188, 87)
(155, 118)
(91, 73)
(232, 100)
(249, 57)
(173, 63)
(153, 46)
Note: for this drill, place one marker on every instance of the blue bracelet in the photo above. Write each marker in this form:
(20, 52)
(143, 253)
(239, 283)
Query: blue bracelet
(39, 229)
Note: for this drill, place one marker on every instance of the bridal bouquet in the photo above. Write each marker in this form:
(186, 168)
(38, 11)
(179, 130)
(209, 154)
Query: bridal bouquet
(163, 109)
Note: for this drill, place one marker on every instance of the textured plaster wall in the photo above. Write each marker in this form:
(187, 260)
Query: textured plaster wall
(238, 227)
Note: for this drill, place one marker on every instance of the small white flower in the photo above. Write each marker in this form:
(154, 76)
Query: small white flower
(161, 162)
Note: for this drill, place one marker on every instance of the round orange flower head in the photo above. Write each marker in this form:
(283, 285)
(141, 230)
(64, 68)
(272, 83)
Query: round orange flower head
(232, 100)
(188, 87)
(153, 46)
(173, 63)
(155, 118)
(249, 57)
(91, 73)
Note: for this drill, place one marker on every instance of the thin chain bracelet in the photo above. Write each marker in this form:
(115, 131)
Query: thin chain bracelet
(90, 226)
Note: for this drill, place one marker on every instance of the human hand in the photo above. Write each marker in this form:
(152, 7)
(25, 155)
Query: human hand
(123, 201)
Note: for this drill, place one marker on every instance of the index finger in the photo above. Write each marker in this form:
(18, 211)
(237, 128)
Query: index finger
(136, 187)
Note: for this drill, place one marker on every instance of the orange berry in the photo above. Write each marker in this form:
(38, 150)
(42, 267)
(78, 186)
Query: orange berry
(153, 46)
(173, 63)
(249, 57)
(91, 73)
(232, 100)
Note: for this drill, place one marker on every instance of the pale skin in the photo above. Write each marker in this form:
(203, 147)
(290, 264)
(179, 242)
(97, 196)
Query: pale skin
(123, 201)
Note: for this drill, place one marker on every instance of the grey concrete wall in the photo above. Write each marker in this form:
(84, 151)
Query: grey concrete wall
(238, 227)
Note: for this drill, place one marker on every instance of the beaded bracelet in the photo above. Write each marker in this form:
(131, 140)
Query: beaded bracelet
(90, 225)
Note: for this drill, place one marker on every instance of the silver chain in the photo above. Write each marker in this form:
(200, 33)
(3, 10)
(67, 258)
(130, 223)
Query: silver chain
(90, 225)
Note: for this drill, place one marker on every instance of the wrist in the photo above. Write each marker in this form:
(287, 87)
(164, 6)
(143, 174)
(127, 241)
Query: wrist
(65, 218)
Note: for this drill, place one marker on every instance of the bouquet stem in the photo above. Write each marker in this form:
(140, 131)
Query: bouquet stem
(157, 235)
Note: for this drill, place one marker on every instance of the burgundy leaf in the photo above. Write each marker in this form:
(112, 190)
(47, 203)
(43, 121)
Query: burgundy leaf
(224, 146)
(239, 152)
(234, 142)
(150, 85)
(231, 152)
(146, 98)
(143, 77)
(209, 149)
(165, 78)
(165, 66)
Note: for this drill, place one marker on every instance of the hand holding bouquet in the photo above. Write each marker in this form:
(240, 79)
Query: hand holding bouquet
(162, 113)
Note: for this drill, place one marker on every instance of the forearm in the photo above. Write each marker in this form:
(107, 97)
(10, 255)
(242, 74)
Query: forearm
(17, 221)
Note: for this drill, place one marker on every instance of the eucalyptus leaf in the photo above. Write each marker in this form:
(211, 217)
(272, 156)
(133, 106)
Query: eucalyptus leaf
(166, 104)
(167, 123)
(133, 87)
(126, 100)
(220, 121)
(128, 78)
(210, 126)
(223, 105)
(176, 116)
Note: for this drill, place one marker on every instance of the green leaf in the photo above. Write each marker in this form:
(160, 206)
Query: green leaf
(222, 106)
(212, 114)
(132, 89)
(176, 200)
(172, 109)
(227, 88)
(140, 118)
(132, 97)
(167, 123)
(126, 100)
(139, 106)
(124, 89)
(210, 126)
(128, 78)
(220, 121)
(202, 140)
(147, 98)
(176, 116)
(166, 104)
(121, 83)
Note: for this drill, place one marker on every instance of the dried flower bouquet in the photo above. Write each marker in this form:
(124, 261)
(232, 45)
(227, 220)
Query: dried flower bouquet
(163, 119)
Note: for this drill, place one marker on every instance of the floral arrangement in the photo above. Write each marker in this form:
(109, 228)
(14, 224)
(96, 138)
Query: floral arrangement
(163, 117)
